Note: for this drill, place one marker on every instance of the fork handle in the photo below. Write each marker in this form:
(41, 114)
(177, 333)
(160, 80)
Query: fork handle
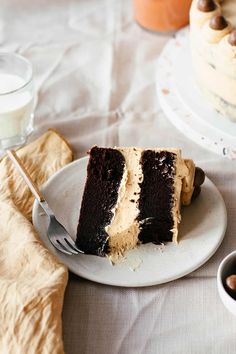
(21, 169)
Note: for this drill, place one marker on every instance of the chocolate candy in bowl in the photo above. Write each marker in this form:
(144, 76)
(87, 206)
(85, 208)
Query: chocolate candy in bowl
(226, 282)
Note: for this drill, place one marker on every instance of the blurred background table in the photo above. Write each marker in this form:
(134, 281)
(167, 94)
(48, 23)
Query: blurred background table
(95, 79)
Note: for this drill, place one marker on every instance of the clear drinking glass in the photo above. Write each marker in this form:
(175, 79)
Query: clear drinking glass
(16, 100)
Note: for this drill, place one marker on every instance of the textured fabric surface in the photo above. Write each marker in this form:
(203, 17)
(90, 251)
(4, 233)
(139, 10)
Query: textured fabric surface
(32, 281)
(95, 75)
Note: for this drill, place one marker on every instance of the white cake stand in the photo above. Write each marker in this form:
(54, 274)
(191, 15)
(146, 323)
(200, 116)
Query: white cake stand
(185, 105)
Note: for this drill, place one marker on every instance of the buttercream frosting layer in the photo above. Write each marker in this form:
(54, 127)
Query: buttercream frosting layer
(124, 228)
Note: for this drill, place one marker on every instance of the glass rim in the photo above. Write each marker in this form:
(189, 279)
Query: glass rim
(22, 58)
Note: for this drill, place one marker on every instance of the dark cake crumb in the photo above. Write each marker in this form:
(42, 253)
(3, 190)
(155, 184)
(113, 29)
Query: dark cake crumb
(104, 174)
(157, 196)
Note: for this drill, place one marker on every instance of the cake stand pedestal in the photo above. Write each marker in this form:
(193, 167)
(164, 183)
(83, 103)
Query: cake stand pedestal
(184, 104)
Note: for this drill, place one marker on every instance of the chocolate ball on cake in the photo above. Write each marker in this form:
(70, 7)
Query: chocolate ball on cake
(206, 5)
(218, 23)
(199, 177)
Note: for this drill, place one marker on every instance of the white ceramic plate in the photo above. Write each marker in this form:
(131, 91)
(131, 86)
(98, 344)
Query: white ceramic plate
(201, 232)
(185, 105)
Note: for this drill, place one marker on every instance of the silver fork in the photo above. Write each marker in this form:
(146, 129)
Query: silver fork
(57, 234)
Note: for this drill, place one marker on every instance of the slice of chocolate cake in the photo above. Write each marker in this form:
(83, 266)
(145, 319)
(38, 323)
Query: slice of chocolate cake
(133, 196)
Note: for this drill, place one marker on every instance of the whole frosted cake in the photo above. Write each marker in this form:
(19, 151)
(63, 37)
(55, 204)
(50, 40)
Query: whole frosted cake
(213, 46)
(133, 196)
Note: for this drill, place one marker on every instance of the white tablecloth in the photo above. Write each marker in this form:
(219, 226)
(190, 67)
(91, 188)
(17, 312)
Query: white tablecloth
(95, 75)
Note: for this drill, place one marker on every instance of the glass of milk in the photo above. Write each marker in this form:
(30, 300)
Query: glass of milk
(16, 100)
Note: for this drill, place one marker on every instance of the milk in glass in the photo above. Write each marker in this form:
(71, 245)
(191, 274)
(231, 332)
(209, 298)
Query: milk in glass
(15, 108)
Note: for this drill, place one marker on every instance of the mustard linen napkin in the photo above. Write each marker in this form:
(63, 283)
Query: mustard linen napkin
(32, 281)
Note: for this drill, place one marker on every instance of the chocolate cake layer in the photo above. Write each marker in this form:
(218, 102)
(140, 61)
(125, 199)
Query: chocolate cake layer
(104, 174)
(157, 196)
